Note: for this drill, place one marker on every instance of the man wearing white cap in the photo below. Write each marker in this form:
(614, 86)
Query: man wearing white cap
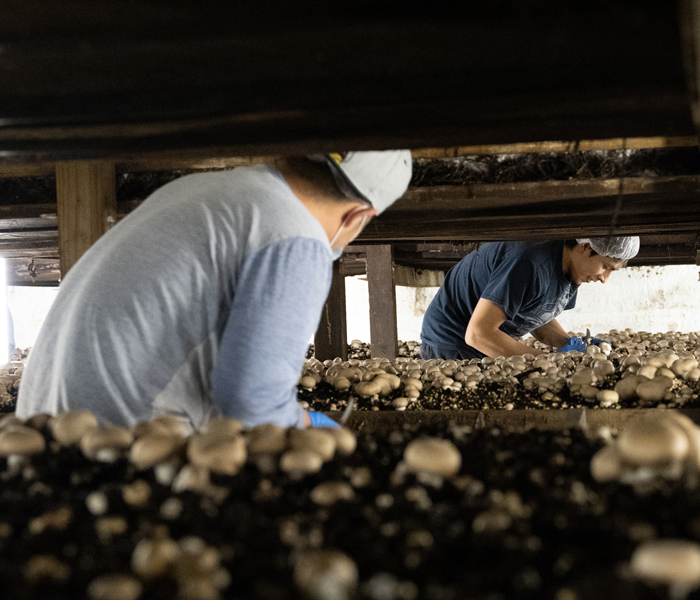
(202, 301)
(502, 291)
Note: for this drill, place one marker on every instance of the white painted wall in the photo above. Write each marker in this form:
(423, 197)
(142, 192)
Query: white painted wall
(655, 299)
(29, 307)
(642, 298)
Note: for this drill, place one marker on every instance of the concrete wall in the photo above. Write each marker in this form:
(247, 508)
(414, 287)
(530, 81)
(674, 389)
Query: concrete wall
(642, 298)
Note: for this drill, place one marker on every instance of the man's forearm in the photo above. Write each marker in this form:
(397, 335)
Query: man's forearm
(552, 334)
(497, 343)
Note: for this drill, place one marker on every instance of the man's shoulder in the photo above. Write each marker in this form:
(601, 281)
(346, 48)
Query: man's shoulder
(539, 253)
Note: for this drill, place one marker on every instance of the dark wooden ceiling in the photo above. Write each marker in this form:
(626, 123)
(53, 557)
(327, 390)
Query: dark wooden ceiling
(94, 78)
(165, 88)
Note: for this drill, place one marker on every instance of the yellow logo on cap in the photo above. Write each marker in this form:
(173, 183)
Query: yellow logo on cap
(338, 157)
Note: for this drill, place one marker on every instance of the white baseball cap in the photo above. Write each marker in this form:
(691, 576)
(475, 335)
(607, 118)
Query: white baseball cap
(379, 178)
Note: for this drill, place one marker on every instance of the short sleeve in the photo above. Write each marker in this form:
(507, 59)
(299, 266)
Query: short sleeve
(275, 312)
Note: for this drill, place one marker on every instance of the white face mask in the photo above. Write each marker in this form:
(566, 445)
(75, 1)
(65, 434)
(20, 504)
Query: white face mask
(337, 253)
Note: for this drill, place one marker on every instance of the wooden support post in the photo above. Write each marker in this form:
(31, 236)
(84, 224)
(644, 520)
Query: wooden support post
(382, 301)
(87, 197)
(331, 339)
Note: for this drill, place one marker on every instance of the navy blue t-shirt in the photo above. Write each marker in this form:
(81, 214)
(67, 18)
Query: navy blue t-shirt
(525, 279)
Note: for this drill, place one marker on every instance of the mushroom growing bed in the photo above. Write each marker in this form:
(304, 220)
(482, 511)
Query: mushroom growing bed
(438, 513)
(628, 370)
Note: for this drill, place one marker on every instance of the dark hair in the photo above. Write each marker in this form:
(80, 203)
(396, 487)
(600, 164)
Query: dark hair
(574, 243)
(318, 173)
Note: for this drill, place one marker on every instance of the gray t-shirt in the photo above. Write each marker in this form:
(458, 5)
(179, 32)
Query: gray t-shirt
(200, 302)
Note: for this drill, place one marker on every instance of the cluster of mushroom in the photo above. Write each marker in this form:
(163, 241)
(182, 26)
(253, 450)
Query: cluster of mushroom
(651, 447)
(625, 366)
(10, 375)
(179, 460)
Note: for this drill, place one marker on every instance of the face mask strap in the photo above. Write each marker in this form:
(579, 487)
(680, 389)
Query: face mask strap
(342, 226)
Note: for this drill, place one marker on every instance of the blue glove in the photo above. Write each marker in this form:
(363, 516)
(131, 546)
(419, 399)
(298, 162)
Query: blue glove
(596, 342)
(574, 343)
(320, 420)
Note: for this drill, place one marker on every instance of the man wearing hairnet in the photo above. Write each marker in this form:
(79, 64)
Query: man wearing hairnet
(504, 290)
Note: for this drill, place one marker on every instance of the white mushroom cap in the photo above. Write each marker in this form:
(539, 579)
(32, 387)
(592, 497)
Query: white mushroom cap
(68, 427)
(345, 440)
(670, 561)
(301, 461)
(152, 558)
(105, 438)
(153, 449)
(330, 492)
(21, 440)
(225, 426)
(324, 574)
(114, 587)
(606, 464)
(163, 425)
(318, 440)
(267, 438)
(222, 454)
(433, 454)
(652, 441)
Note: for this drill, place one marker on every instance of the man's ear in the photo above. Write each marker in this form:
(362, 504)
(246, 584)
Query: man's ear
(357, 212)
(584, 248)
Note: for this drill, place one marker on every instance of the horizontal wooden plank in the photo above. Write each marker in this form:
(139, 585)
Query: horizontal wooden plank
(541, 210)
(559, 146)
(384, 422)
(158, 163)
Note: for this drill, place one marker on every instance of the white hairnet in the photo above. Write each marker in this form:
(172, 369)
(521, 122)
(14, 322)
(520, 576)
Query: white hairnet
(622, 248)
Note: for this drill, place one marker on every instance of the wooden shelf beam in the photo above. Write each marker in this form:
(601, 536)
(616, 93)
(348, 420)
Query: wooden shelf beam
(86, 199)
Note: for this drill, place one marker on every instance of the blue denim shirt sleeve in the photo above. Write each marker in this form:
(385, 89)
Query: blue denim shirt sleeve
(275, 312)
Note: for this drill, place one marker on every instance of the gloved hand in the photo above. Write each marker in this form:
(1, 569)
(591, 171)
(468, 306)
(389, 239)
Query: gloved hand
(573, 343)
(596, 342)
(320, 420)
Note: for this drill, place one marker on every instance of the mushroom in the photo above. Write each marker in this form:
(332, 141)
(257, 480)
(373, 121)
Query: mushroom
(608, 398)
(606, 464)
(21, 440)
(114, 587)
(153, 558)
(225, 426)
(672, 562)
(163, 425)
(319, 440)
(267, 438)
(345, 440)
(154, 448)
(105, 444)
(223, 454)
(323, 574)
(39, 421)
(649, 441)
(192, 478)
(68, 427)
(301, 462)
(433, 454)
(653, 390)
(683, 366)
(45, 567)
(330, 492)
(137, 493)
